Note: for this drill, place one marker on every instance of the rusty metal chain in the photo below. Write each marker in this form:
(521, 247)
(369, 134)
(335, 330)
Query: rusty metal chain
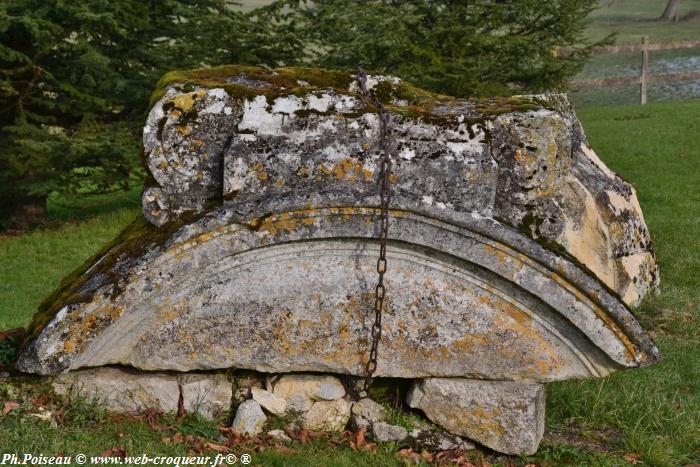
(384, 199)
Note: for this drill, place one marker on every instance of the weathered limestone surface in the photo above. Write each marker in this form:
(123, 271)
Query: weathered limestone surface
(506, 416)
(271, 402)
(514, 252)
(124, 390)
(249, 419)
(320, 400)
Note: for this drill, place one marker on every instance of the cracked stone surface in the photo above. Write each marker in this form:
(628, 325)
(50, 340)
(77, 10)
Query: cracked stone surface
(250, 419)
(514, 252)
(505, 416)
(271, 402)
(130, 391)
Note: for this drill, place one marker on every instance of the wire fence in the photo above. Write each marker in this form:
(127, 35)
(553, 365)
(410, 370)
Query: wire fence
(644, 77)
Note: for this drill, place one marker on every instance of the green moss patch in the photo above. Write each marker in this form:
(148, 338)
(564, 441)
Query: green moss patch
(247, 82)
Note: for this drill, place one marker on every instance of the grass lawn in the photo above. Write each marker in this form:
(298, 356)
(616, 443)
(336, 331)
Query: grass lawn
(648, 417)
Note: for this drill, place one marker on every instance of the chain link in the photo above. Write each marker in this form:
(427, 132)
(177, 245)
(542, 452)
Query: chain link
(384, 200)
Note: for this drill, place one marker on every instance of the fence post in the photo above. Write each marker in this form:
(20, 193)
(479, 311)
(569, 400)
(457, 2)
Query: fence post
(645, 71)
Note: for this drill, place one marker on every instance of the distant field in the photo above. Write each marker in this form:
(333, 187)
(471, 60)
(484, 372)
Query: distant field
(247, 5)
(633, 19)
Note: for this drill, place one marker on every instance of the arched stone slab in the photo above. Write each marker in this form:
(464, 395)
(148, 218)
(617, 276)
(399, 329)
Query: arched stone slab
(289, 292)
(514, 252)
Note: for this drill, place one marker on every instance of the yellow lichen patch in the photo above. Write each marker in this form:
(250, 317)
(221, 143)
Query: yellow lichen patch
(168, 315)
(79, 330)
(324, 169)
(279, 183)
(481, 420)
(184, 130)
(304, 171)
(275, 224)
(544, 356)
(186, 101)
(602, 315)
(501, 256)
(348, 169)
(259, 170)
(111, 312)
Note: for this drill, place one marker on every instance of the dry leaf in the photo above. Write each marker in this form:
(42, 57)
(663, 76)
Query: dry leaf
(360, 437)
(410, 455)
(428, 457)
(114, 452)
(9, 407)
(41, 400)
(218, 448)
(632, 458)
(46, 416)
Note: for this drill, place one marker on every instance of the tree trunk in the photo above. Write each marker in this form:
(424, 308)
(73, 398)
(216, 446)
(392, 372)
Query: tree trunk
(670, 12)
(27, 212)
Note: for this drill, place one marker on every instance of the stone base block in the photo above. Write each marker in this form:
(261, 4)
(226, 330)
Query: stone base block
(126, 390)
(505, 416)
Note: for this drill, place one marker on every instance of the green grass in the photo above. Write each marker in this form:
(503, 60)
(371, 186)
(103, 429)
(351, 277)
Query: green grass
(651, 414)
(633, 19)
(33, 264)
(657, 409)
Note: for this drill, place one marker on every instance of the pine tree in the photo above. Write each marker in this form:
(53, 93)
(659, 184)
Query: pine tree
(455, 47)
(75, 79)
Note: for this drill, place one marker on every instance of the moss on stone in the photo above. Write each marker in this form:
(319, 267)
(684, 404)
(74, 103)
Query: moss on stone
(247, 82)
(282, 81)
(133, 242)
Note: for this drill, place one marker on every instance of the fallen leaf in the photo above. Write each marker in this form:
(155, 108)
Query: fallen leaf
(41, 400)
(453, 456)
(632, 458)
(151, 416)
(427, 456)
(9, 407)
(16, 333)
(410, 455)
(360, 437)
(46, 416)
(218, 448)
(114, 452)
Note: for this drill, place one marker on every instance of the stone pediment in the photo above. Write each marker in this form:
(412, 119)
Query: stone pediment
(514, 252)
